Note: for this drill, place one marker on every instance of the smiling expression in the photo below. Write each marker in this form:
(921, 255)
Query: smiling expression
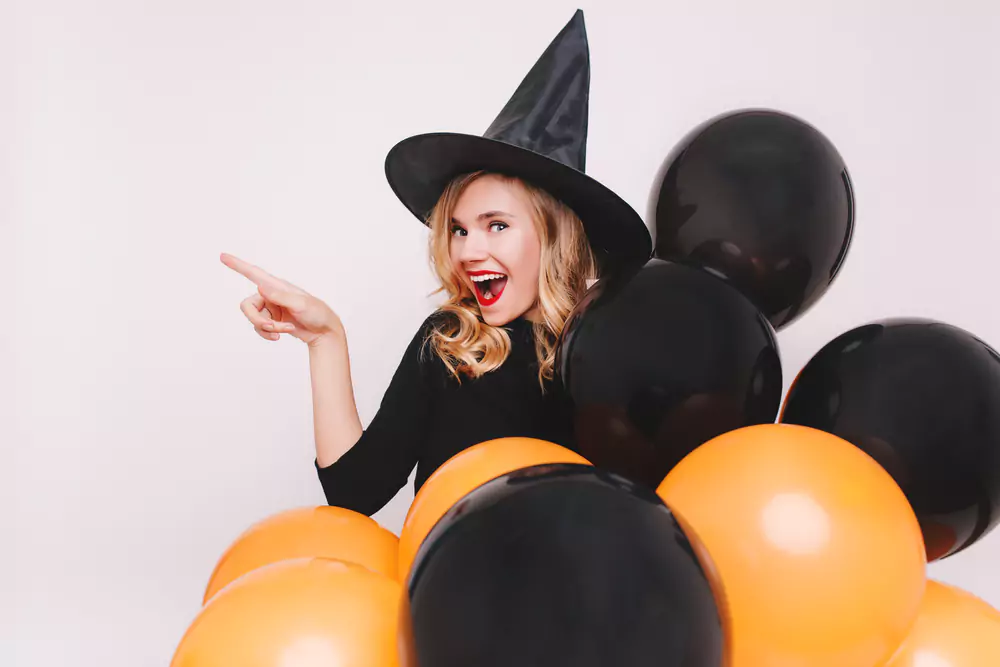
(495, 250)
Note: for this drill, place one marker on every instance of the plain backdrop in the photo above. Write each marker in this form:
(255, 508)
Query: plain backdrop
(148, 425)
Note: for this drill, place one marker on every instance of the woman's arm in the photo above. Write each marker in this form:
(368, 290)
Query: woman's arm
(335, 414)
(359, 470)
(365, 473)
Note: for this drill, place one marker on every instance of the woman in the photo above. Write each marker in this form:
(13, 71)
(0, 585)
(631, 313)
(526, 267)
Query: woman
(518, 232)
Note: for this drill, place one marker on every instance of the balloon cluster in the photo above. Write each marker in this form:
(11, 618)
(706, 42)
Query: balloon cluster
(689, 529)
(754, 213)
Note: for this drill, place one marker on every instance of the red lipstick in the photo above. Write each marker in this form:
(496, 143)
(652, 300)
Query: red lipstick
(488, 291)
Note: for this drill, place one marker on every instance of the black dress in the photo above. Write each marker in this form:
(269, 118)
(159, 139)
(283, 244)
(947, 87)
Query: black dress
(426, 417)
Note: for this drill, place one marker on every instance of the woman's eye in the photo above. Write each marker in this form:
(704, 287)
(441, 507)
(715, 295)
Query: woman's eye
(501, 225)
(458, 231)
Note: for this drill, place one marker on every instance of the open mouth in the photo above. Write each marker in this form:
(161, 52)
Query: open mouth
(488, 286)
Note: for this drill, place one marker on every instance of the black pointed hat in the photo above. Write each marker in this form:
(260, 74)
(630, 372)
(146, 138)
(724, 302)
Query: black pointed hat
(541, 137)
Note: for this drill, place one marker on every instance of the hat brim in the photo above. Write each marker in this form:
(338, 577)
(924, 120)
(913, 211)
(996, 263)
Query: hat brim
(420, 167)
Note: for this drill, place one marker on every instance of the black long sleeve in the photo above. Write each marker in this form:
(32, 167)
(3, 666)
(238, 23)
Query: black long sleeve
(371, 472)
(427, 416)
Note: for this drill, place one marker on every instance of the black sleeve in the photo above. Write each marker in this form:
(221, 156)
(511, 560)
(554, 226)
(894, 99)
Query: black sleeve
(369, 474)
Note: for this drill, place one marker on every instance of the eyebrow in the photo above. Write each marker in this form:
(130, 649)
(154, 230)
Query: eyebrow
(488, 214)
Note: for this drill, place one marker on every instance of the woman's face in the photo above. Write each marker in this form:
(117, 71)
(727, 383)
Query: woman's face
(495, 248)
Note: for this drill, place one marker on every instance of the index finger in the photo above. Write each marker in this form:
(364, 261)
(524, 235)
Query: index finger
(253, 273)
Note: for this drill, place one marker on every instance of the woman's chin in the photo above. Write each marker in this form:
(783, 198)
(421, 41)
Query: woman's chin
(497, 315)
(495, 319)
(504, 309)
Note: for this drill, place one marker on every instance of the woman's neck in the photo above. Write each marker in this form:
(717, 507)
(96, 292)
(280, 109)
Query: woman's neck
(533, 315)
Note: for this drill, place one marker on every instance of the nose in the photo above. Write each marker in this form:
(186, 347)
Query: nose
(473, 248)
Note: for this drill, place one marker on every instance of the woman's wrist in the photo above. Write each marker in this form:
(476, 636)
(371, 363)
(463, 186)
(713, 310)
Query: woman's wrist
(335, 339)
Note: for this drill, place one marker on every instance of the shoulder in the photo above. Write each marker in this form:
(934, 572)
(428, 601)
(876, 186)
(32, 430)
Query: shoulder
(422, 345)
(436, 321)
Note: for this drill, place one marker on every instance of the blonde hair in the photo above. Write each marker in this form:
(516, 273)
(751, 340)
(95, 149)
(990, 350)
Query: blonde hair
(467, 345)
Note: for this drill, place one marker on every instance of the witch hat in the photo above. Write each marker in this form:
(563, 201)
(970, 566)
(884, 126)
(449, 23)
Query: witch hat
(541, 137)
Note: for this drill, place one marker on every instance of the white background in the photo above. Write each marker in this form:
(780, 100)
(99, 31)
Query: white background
(149, 425)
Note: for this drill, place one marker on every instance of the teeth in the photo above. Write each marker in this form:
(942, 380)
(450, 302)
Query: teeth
(488, 276)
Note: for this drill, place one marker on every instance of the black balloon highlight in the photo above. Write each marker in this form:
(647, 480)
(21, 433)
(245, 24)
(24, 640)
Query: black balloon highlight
(655, 362)
(923, 399)
(762, 199)
(560, 565)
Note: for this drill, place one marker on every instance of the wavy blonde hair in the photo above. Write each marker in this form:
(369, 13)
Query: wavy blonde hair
(467, 345)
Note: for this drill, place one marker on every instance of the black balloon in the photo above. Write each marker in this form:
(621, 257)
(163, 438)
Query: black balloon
(762, 199)
(560, 565)
(655, 362)
(923, 399)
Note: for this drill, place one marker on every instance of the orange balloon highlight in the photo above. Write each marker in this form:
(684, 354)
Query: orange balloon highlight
(464, 472)
(328, 532)
(954, 629)
(817, 556)
(306, 612)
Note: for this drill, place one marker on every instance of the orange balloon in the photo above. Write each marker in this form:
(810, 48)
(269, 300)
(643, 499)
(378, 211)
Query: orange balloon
(464, 472)
(306, 612)
(329, 532)
(954, 629)
(817, 555)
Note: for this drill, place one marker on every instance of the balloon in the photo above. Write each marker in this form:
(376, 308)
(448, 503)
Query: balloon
(818, 555)
(561, 564)
(953, 629)
(764, 200)
(331, 532)
(307, 612)
(923, 399)
(464, 472)
(660, 360)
